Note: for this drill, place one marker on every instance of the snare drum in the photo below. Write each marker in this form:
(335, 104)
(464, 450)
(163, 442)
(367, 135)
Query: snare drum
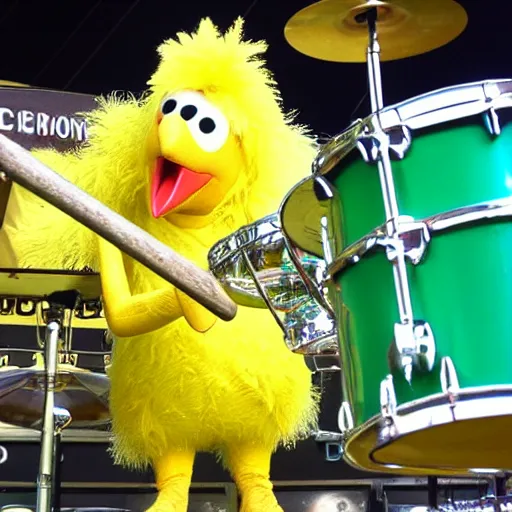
(452, 169)
(259, 268)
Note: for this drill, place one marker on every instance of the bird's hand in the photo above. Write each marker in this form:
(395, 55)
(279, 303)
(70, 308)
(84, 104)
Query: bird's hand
(197, 316)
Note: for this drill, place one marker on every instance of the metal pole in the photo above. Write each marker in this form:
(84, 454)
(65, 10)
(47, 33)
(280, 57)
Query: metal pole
(46, 467)
(405, 344)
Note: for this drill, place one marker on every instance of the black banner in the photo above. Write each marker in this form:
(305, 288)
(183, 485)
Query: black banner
(41, 118)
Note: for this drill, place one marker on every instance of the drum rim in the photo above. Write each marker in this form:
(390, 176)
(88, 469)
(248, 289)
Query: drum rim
(285, 204)
(407, 414)
(457, 217)
(227, 247)
(454, 102)
(305, 348)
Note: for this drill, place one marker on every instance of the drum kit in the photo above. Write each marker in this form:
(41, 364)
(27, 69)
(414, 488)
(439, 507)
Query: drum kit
(376, 265)
(382, 256)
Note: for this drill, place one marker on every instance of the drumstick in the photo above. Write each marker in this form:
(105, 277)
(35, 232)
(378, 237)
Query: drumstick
(23, 168)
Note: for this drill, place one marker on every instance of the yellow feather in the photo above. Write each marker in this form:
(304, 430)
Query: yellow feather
(175, 387)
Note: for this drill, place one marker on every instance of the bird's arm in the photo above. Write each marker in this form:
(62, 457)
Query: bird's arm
(132, 315)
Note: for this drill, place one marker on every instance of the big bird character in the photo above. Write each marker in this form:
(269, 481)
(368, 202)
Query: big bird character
(207, 150)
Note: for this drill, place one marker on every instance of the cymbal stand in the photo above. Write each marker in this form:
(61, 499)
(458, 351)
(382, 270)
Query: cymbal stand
(55, 419)
(379, 150)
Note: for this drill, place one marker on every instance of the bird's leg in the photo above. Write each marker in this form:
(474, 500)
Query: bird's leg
(173, 476)
(250, 467)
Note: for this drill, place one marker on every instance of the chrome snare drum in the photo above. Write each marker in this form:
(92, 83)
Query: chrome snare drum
(259, 268)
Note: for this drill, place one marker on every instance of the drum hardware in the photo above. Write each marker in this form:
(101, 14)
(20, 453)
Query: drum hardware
(34, 285)
(449, 380)
(392, 424)
(62, 419)
(426, 110)
(259, 269)
(378, 499)
(397, 139)
(414, 238)
(388, 402)
(492, 121)
(345, 424)
(321, 366)
(332, 442)
(419, 233)
(323, 363)
(44, 315)
(345, 418)
(85, 316)
(410, 334)
(54, 419)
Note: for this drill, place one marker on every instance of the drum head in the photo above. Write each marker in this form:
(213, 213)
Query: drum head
(476, 445)
(431, 435)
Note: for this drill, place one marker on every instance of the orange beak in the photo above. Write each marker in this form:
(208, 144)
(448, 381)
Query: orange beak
(172, 185)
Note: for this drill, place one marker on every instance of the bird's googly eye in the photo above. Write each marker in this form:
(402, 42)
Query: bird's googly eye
(210, 128)
(206, 123)
(188, 112)
(169, 106)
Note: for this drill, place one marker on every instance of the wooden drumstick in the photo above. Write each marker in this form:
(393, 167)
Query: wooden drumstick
(23, 168)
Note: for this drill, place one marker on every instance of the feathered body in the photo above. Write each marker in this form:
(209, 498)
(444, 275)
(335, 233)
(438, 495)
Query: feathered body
(175, 388)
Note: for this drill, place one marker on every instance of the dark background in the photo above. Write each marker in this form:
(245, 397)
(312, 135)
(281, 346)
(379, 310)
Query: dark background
(96, 47)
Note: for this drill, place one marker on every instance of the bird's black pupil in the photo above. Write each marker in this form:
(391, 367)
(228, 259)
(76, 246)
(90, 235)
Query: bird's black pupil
(188, 112)
(169, 106)
(207, 125)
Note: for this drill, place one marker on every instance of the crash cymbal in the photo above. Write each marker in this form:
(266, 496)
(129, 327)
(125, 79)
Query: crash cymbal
(328, 29)
(9, 83)
(81, 392)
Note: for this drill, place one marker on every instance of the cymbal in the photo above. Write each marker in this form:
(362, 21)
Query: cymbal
(9, 83)
(327, 30)
(83, 393)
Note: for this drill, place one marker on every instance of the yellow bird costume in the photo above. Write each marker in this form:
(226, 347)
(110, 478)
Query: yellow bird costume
(207, 150)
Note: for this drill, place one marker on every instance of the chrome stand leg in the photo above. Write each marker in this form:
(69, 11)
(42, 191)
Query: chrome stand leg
(45, 479)
(406, 337)
(62, 418)
(385, 171)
